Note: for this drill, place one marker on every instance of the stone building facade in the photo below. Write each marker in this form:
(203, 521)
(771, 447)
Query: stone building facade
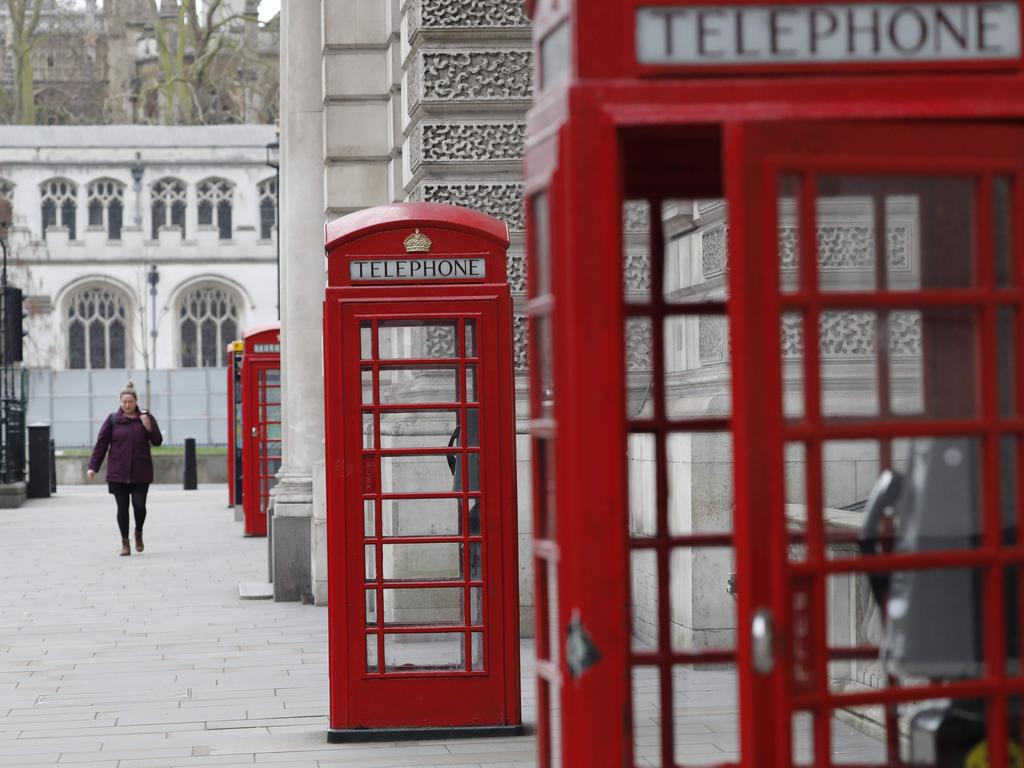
(387, 101)
(98, 210)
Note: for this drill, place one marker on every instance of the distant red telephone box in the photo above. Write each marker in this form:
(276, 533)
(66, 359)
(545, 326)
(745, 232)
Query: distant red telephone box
(234, 425)
(261, 423)
(775, 254)
(421, 501)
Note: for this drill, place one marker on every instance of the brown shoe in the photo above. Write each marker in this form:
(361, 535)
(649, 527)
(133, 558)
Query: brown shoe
(139, 546)
(125, 549)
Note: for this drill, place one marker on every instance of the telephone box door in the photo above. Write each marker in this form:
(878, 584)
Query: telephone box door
(262, 446)
(876, 275)
(425, 533)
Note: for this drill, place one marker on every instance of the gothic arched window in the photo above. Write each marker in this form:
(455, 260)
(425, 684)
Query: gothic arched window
(168, 205)
(106, 206)
(97, 325)
(214, 197)
(268, 207)
(60, 202)
(208, 318)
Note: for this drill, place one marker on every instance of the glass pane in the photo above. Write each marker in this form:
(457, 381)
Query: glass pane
(369, 433)
(419, 384)
(365, 340)
(476, 568)
(789, 234)
(416, 339)
(369, 519)
(700, 482)
(921, 346)
(471, 384)
(541, 344)
(696, 237)
(647, 720)
(371, 607)
(643, 599)
(424, 652)
(697, 692)
(471, 350)
(641, 466)
(422, 517)
(423, 562)
(418, 474)
(438, 607)
(370, 561)
(477, 662)
(925, 227)
(1006, 360)
(792, 350)
(476, 606)
(639, 339)
(371, 653)
(702, 603)
(367, 386)
(539, 273)
(418, 429)
(1003, 232)
(636, 255)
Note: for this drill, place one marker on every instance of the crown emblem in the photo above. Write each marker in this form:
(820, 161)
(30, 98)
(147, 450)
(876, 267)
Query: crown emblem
(417, 242)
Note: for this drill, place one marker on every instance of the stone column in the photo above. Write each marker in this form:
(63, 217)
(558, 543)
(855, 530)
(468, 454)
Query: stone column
(302, 289)
(468, 83)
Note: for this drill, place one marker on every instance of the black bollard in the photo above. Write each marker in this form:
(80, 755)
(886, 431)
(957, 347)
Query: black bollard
(38, 461)
(191, 481)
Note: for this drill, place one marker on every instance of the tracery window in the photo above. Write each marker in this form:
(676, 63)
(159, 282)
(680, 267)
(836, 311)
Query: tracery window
(215, 205)
(168, 205)
(97, 322)
(106, 206)
(208, 318)
(60, 202)
(268, 207)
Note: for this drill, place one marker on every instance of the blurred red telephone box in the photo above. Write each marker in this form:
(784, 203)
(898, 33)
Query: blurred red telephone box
(421, 496)
(234, 426)
(261, 423)
(813, 212)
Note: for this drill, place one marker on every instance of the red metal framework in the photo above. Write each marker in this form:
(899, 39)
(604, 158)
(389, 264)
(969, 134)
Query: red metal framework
(422, 517)
(261, 423)
(607, 129)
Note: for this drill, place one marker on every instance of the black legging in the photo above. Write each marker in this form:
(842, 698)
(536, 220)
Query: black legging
(138, 500)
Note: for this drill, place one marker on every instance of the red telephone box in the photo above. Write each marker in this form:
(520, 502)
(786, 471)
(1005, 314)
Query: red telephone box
(261, 423)
(421, 502)
(778, 241)
(235, 351)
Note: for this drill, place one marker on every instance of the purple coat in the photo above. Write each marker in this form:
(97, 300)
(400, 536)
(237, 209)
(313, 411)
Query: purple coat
(128, 441)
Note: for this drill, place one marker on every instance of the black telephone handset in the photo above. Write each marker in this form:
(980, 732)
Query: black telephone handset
(887, 490)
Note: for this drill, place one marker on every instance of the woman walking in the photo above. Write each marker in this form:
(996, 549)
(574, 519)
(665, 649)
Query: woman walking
(128, 433)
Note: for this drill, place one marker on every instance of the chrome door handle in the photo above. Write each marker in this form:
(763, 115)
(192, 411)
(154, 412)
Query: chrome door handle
(762, 635)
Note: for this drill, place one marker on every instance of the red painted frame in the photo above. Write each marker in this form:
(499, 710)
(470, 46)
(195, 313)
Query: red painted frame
(256, 452)
(444, 702)
(602, 135)
(235, 351)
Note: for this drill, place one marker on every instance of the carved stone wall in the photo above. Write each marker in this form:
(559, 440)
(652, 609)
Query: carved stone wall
(470, 75)
(466, 142)
(459, 14)
(502, 200)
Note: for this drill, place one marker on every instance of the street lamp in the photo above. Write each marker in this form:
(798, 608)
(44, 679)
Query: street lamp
(274, 161)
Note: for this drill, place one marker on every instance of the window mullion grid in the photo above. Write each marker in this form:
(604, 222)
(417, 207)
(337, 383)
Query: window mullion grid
(808, 278)
(464, 499)
(378, 505)
(993, 603)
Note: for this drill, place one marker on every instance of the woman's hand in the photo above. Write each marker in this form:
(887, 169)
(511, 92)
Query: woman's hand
(91, 474)
(146, 421)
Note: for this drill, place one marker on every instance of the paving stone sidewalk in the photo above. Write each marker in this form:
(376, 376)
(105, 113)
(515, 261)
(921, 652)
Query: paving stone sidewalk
(152, 660)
